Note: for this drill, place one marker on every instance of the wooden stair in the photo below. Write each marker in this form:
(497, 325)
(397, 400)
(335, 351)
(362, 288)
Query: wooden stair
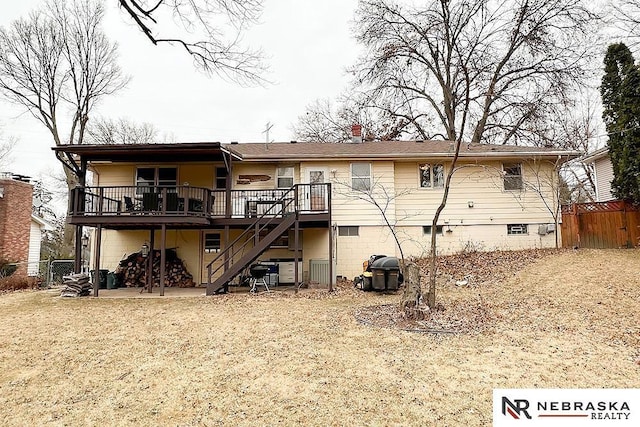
(221, 284)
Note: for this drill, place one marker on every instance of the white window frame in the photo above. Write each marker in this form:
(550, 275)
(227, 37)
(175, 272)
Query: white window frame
(361, 178)
(516, 181)
(280, 176)
(348, 230)
(432, 182)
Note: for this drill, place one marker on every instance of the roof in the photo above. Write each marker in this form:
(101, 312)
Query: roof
(43, 223)
(596, 155)
(388, 150)
(301, 151)
(193, 151)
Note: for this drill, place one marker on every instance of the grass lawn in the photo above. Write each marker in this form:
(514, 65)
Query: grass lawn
(569, 320)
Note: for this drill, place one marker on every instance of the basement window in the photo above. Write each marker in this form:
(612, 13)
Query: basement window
(517, 229)
(349, 230)
(426, 229)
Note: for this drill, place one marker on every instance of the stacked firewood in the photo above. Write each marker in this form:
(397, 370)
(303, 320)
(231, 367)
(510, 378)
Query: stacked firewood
(75, 285)
(132, 271)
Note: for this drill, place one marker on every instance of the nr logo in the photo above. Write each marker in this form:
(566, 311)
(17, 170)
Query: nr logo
(516, 409)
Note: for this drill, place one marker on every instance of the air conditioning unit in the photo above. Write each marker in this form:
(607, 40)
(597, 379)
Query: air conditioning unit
(544, 229)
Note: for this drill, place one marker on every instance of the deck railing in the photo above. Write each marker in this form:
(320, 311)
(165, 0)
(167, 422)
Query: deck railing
(196, 201)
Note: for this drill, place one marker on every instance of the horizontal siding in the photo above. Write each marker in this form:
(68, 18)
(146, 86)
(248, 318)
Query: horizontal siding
(35, 241)
(349, 209)
(376, 240)
(196, 174)
(483, 186)
(604, 176)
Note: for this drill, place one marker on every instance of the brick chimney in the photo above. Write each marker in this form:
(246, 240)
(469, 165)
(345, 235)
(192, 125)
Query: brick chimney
(15, 221)
(356, 133)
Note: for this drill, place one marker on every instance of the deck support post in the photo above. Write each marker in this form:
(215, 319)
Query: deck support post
(150, 261)
(96, 261)
(296, 256)
(331, 275)
(163, 257)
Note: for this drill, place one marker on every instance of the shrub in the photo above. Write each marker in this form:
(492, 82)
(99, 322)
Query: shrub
(14, 283)
(7, 268)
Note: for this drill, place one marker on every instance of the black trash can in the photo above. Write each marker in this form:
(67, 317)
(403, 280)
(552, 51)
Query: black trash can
(102, 283)
(386, 274)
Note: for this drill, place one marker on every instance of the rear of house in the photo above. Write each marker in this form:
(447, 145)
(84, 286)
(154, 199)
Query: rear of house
(330, 206)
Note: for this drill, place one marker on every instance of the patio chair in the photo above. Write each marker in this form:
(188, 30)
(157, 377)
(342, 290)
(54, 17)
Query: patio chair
(150, 201)
(130, 205)
(172, 202)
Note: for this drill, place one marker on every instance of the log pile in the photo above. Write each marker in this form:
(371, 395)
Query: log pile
(75, 285)
(131, 271)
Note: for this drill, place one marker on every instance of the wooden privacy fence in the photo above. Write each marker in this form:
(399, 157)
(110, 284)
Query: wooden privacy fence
(613, 224)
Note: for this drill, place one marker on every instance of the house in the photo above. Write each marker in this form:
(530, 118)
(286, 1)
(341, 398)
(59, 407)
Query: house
(38, 227)
(603, 173)
(315, 210)
(15, 219)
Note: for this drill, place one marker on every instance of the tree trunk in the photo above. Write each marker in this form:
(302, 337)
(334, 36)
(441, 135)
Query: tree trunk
(411, 304)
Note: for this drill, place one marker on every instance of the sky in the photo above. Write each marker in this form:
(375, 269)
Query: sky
(308, 46)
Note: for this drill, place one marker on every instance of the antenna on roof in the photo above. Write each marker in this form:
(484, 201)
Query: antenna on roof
(268, 127)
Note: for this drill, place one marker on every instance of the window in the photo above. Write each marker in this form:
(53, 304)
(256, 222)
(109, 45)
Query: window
(350, 230)
(515, 229)
(281, 242)
(161, 177)
(361, 176)
(284, 177)
(431, 175)
(221, 178)
(512, 176)
(211, 243)
(426, 229)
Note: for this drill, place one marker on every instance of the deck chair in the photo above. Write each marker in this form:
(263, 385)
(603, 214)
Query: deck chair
(130, 205)
(172, 202)
(150, 201)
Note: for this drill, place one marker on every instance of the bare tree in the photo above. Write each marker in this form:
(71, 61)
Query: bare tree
(325, 122)
(625, 16)
(472, 70)
(58, 60)
(216, 25)
(121, 131)
(6, 147)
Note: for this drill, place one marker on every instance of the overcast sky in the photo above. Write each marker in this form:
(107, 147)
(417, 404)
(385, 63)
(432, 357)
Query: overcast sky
(308, 45)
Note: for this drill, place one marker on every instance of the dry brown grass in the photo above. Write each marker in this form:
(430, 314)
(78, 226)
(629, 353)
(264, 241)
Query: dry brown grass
(568, 320)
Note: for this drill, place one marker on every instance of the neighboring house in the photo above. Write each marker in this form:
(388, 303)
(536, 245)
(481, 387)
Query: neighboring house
(38, 227)
(15, 219)
(603, 173)
(301, 205)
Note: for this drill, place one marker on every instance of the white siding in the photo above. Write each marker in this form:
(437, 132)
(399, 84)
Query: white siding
(353, 251)
(604, 176)
(35, 240)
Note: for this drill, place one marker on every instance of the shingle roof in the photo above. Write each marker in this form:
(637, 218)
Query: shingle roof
(387, 150)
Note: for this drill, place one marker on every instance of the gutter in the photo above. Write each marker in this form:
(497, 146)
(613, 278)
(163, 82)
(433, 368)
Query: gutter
(402, 156)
